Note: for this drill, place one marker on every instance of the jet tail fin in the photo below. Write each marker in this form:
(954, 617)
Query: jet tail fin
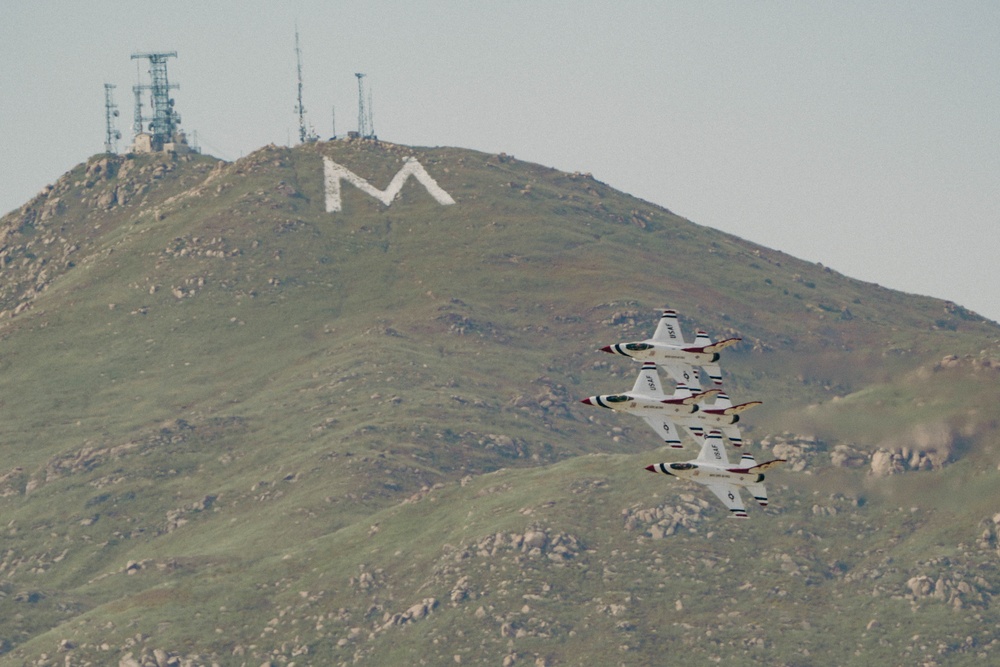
(668, 329)
(647, 383)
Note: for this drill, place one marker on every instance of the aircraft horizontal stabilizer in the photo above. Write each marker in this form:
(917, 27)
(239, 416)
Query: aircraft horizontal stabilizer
(722, 344)
(766, 465)
(737, 409)
(693, 398)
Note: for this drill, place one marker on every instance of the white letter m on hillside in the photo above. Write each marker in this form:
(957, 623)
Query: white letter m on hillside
(334, 173)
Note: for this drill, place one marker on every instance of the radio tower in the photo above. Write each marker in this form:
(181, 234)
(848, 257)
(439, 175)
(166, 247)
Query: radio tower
(304, 133)
(165, 121)
(137, 91)
(137, 118)
(112, 135)
(365, 124)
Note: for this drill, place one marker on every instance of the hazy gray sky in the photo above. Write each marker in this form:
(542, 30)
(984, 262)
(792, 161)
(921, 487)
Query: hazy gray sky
(863, 135)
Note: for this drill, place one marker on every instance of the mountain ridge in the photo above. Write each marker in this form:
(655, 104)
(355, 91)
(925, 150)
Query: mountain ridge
(218, 396)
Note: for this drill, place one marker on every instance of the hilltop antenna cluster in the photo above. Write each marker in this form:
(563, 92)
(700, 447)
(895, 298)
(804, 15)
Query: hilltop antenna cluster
(305, 135)
(111, 133)
(366, 124)
(165, 122)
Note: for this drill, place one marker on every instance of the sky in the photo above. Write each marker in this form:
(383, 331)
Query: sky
(864, 135)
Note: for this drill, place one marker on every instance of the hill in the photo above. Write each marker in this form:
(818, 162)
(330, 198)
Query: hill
(241, 429)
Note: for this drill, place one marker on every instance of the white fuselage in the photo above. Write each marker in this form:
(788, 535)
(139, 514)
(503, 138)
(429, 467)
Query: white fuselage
(661, 352)
(710, 417)
(707, 473)
(640, 405)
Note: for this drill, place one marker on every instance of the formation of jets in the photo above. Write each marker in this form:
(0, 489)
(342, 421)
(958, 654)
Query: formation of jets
(688, 406)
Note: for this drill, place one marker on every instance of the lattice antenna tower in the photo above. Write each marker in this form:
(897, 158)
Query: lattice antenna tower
(137, 122)
(364, 120)
(166, 121)
(305, 133)
(111, 133)
(371, 115)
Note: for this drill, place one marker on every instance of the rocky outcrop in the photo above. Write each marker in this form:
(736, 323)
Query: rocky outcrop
(797, 450)
(665, 519)
(928, 446)
(533, 543)
(846, 456)
(957, 592)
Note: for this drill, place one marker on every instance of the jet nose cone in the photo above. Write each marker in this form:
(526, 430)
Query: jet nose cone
(607, 348)
(651, 468)
(587, 400)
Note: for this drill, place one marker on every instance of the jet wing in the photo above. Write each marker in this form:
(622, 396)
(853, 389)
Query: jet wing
(668, 329)
(759, 493)
(714, 372)
(733, 433)
(696, 432)
(755, 468)
(665, 429)
(730, 497)
(647, 383)
(685, 375)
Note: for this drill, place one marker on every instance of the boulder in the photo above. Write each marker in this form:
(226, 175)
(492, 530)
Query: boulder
(535, 539)
(884, 463)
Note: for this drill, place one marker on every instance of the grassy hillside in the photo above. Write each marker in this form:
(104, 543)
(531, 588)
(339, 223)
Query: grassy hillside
(239, 429)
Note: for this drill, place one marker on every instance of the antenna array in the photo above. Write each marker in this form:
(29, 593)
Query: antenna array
(366, 124)
(305, 134)
(111, 133)
(165, 120)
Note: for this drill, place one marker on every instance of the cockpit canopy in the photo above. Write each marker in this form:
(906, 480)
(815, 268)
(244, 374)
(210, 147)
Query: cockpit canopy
(637, 347)
(682, 466)
(617, 398)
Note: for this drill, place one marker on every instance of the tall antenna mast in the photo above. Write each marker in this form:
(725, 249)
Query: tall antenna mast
(371, 115)
(299, 109)
(363, 131)
(111, 133)
(166, 121)
(304, 133)
(137, 91)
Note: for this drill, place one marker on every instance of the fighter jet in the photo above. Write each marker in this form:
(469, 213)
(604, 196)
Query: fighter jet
(712, 468)
(667, 348)
(723, 415)
(684, 407)
(648, 401)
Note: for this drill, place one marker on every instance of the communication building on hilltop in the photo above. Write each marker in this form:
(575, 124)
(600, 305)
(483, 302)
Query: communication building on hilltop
(162, 131)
